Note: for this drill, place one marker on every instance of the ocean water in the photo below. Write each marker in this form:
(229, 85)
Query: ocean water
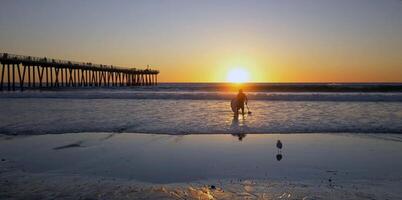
(193, 108)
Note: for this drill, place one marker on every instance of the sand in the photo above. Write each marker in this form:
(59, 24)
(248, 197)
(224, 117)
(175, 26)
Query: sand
(141, 166)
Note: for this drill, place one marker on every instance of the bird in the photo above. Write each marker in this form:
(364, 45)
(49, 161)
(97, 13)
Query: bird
(279, 144)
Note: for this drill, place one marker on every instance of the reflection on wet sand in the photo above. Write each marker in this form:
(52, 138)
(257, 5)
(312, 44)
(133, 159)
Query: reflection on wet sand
(279, 145)
(278, 157)
(240, 136)
(238, 127)
(253, 168)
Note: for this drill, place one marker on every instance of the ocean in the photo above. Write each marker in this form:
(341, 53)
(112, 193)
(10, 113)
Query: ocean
(204, 108)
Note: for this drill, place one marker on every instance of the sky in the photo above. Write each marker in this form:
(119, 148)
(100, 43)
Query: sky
(204, 40)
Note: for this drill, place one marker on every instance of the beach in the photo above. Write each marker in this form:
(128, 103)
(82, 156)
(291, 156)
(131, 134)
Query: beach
(137, 166)
(182, 141)
(203, 100)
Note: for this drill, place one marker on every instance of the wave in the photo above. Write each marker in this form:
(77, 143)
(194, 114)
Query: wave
(186, 131)
(300, 113)
(257, 87)
(281, 87)
(180, 95)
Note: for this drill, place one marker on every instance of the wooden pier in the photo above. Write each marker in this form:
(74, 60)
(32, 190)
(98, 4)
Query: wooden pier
(27, 72)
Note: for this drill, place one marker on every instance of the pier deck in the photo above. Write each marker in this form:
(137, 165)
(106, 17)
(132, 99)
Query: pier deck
(27, 72)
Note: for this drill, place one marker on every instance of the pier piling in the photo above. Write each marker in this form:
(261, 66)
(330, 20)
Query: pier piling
(23, 72)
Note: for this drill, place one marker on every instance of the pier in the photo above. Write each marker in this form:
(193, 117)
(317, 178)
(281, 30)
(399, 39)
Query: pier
(27, 72)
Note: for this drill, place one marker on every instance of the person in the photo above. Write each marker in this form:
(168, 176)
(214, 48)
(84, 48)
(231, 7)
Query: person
(241, 99)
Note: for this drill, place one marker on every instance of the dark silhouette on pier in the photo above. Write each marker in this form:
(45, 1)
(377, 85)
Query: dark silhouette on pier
(30, 73)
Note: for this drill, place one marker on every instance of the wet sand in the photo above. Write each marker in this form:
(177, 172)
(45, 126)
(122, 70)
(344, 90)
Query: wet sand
(146, 166)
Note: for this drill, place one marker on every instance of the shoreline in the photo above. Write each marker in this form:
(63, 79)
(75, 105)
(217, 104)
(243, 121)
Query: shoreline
(39, 116)
(376, 135)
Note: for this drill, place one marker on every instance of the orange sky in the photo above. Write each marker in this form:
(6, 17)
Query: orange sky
(201, 41)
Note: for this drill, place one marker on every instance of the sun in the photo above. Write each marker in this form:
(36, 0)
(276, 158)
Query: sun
(238, 75)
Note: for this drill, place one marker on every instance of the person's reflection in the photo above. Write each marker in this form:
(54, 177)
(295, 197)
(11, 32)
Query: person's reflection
(238, 128)
(279, 145)
(240, 136)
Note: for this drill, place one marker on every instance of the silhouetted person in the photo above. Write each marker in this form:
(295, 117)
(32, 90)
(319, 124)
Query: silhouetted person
(241, 100)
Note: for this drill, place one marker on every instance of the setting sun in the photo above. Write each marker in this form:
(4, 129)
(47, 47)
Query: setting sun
(238, 75)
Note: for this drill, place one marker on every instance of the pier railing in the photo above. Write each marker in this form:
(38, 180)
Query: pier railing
(29, 72)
